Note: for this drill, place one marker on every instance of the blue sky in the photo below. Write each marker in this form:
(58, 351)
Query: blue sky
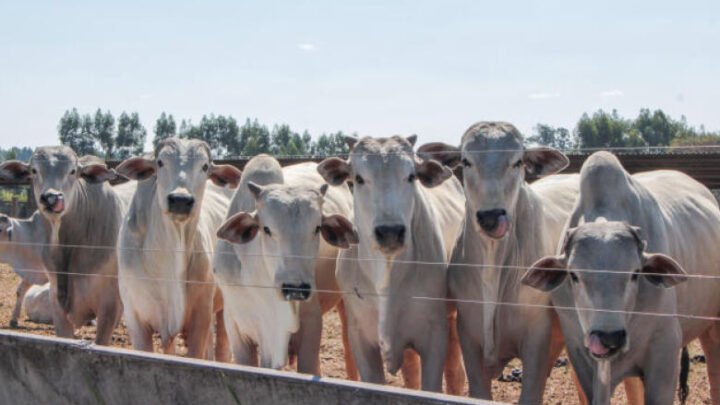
(373, 67)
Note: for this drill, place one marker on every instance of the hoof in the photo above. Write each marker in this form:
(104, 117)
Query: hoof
(13, 323)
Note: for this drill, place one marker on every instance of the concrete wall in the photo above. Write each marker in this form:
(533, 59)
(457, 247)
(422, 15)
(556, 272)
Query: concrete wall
(42, 370)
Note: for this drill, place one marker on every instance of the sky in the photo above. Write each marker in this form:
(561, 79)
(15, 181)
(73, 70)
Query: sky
(377, 68)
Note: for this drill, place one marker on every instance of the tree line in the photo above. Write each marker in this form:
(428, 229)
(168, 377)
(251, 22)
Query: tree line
(100, 134)
(608, 130)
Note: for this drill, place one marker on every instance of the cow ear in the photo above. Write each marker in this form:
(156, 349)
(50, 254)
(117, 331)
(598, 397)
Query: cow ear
(239, 228)
(93, 170)
(14, 170)
(255, 189)
(546, 274)
(223, 175)
(137, 168)
(412, 139)
(543, 160)
(338, 231)
(431, 173)
(446, 154)
(350, 141)
(662, 270)
(334, 170)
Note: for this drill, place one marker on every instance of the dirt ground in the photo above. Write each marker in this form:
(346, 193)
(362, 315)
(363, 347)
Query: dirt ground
(559, 390)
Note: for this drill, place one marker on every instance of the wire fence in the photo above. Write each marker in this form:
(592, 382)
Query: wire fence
(374, 294)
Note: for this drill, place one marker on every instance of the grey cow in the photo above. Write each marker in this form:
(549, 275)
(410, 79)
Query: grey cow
(84, 214)
(508, 224)
(408, 214)
(616, 261)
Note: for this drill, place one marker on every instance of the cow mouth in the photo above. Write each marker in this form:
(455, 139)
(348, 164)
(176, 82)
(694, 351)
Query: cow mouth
(499, 230)
(598, 350)
(57, 208)
(296, 292)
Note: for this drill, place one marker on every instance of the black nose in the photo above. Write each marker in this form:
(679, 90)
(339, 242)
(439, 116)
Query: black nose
(49, 200)
(296, 292)
(489, 219)
(390, 236)
(180, 203)
(611, 340)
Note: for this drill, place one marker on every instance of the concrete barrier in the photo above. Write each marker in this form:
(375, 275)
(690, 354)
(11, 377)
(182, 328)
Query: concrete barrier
(42, 370)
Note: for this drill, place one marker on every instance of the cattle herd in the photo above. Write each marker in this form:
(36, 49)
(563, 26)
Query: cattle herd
(432, 277)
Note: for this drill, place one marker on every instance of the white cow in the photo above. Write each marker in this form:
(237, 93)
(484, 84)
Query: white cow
(609, 268)
(508, 224)
(38, 304)
(408, 213)
(280, 243)
(19, 249)
(165, 246)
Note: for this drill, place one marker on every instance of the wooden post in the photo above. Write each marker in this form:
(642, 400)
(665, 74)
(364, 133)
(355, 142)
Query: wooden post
(14, 207)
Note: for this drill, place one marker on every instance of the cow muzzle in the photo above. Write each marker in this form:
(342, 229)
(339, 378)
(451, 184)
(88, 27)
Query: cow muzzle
(494, 223)
(603, 344)
(296, 291)
(180, 203)
(390, 238)
(53, 202)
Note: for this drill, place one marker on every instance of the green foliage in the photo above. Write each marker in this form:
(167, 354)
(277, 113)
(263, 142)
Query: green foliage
(131, 134)
(559, 137)
(330, 145)
(654, 128)
(96, 134)
(15, 153)
(164, 128)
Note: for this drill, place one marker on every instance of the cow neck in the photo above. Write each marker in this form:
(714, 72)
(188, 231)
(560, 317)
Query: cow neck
(497, 276)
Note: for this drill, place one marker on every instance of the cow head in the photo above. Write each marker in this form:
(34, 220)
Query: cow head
(385, 173)
(180, 169)
(288, 223)
(495, 163)
(56, 172)
(603, 264)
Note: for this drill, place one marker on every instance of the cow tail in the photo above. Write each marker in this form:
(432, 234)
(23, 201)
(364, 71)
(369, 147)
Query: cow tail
(684, 371)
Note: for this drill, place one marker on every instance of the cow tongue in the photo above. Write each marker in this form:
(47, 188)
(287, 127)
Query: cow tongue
(59, 205)
(502, 227)
(596, 347)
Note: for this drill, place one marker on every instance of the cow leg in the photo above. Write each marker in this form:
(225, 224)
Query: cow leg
(660, 372)
(537, 355)
(454, 373)
(365, 351)
(350, 366)
(140, 333)
(19, 296)
(168, 345)
(222, 343)
(108, 318)
(198, 334)
(243, 349)
(479, 380)
(710, 341)
(433, 352)
(63, 327)
(634, 390)
(308, 338)
(411, 369)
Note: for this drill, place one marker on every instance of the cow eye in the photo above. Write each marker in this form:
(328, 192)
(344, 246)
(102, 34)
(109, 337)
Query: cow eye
(72, 172)
(634, 277)
(518, 163)
(466, 162)
(359, 180)
(160, 163)
(574, 277)
(411, 178)
(205, 167)
(317, 229)
(267, 231)
(33, 171)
